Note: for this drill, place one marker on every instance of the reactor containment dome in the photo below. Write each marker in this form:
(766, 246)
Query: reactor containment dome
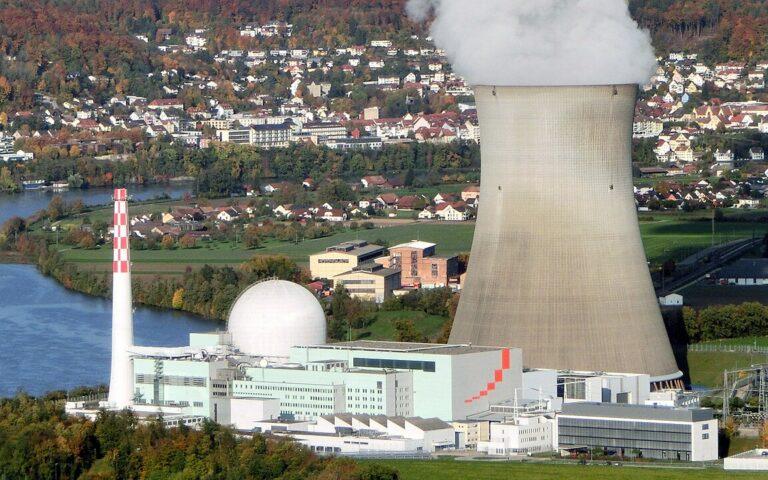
(270, 317)
(557, 265)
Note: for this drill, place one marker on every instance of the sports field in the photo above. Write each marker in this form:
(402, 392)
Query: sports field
(461, 470)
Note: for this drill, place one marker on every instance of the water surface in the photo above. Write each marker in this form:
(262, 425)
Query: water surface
(55, 339)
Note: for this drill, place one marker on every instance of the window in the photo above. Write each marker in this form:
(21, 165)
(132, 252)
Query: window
(392, 363)
(434, 270)
(705, 436)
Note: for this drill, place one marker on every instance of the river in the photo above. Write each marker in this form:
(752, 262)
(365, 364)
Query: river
(29, 202)
(57, 339)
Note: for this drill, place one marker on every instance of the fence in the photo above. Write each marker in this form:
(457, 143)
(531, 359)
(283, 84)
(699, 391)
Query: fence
(716, 347)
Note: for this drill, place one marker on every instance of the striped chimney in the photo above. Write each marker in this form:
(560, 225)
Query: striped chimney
(121, 376)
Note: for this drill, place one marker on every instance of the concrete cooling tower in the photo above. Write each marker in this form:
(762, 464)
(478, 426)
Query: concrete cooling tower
(557, 265)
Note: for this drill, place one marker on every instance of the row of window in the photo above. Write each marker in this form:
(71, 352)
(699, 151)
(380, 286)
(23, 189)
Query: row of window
(392, 363)
(171, 380)
(332, 260)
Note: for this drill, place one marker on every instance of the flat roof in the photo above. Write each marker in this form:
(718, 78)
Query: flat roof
(404, 347)
(637, 412)
(418, 244)
(357, 249)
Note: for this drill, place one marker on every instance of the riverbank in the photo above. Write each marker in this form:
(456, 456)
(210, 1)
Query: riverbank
(9, 257)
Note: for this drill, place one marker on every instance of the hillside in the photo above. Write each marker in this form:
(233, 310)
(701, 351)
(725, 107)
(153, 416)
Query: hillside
(53, 46)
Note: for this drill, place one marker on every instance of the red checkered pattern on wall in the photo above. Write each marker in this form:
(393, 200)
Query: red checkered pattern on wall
(498, 377)
(121, 260)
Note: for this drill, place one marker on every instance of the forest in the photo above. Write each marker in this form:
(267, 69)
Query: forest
(225, 168)
(53, 46)
(37, 441)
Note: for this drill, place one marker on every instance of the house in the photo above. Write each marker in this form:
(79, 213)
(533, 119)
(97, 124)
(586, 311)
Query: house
(387, 200)
(166, 104)
(455, 211)
(471, 192)
(757, 154)
(229, 214)
(427, 214)
(332, 215)
(374, 181)
(443, 198)
(308, 184)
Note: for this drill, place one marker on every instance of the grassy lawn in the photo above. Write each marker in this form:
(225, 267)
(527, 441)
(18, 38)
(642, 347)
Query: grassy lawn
(706, 368)
(384, 326)
(742, 444)
(455, 470)
(673, 238)
(451, 239)
(748, 341)
(665, 235)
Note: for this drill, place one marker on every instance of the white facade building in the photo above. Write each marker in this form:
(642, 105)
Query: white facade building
(524, 435)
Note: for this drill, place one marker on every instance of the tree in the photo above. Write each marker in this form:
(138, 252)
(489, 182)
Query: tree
(178, 299)
(188, 241)
(168, 242)
(56, 208)
(87, 241)
(251, 237)
(405, 331)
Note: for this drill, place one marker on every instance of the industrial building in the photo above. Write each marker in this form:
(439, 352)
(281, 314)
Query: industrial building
(370, 281)
(421, 267)
(665, 433)
(565, 276)
(342, 258)
(367, 435)
(272, 371)
(744, 272)
(523, 435)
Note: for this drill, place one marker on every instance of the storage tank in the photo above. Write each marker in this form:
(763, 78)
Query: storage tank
(557, 265)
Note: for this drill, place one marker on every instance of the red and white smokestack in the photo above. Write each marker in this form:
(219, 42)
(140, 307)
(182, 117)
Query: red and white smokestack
(121, 376)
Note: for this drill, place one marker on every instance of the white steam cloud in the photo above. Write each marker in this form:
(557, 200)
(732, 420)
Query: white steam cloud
(539, 42)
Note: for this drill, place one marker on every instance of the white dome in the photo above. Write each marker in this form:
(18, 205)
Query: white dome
(270, 317)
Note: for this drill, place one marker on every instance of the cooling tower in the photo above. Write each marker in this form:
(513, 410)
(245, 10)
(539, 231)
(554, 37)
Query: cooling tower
(121, 373)
(557, 265)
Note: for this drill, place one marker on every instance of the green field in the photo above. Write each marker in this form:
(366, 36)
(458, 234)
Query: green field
(665, 236)
(676, 239)
(706, 368)
(451, 239)
(384, 326)
(461, 470)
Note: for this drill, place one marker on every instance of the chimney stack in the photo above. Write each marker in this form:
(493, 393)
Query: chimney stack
(121, 376)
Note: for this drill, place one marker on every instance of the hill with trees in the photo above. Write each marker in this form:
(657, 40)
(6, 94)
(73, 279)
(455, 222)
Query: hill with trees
(63, 47)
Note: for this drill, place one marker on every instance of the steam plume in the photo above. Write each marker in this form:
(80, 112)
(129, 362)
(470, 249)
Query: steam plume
(539, 42)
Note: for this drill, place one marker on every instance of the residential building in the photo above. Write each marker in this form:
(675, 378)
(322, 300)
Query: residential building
(666, 433)
(342, 258)
(369, 281)
(420, 267)
(363, 143)
(270, 136)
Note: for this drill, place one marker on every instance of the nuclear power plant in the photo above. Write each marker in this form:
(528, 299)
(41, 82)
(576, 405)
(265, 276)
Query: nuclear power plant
(557, 265)
(271, 371)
